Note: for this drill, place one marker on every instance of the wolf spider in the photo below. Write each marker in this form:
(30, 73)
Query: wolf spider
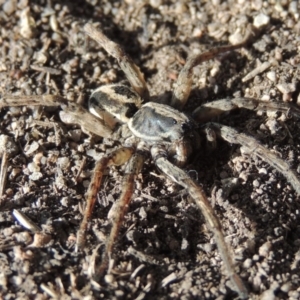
(164, 131)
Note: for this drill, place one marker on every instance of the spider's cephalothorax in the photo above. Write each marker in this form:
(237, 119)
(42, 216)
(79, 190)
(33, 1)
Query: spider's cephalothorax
(156, 123)
(168, 134)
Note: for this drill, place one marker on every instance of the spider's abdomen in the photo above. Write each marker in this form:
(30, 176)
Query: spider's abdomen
(156, 122)
(114, 101)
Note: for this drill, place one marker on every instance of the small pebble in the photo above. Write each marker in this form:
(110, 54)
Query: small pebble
(265, 249)
(236, 37)
(271, 76)
(286, 287)
(109, 278)
(32, 167)
(286, 88)
(9, 7)
(35, 176)
(23, 237)
(247, 263)
(261, 20)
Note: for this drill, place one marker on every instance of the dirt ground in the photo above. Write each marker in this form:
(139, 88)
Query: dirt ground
(165, 250)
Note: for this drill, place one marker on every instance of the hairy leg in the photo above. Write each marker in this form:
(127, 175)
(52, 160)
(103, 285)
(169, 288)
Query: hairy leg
(197, 193)
(133, 168)
(252, 146)
(72, 113)
(207, 111)
(131, 70)
(185, 78)
(117, 157)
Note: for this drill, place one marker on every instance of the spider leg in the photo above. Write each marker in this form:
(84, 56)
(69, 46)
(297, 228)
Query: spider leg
(34, 100)
(251, 145)
(133, 168)
(117, 157)
(185, 78)
(213, 109)
(72, 113)
(197, 193)
(131, 70)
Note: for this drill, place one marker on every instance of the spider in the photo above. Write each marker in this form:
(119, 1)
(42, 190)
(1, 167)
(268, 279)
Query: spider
(161, 129)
